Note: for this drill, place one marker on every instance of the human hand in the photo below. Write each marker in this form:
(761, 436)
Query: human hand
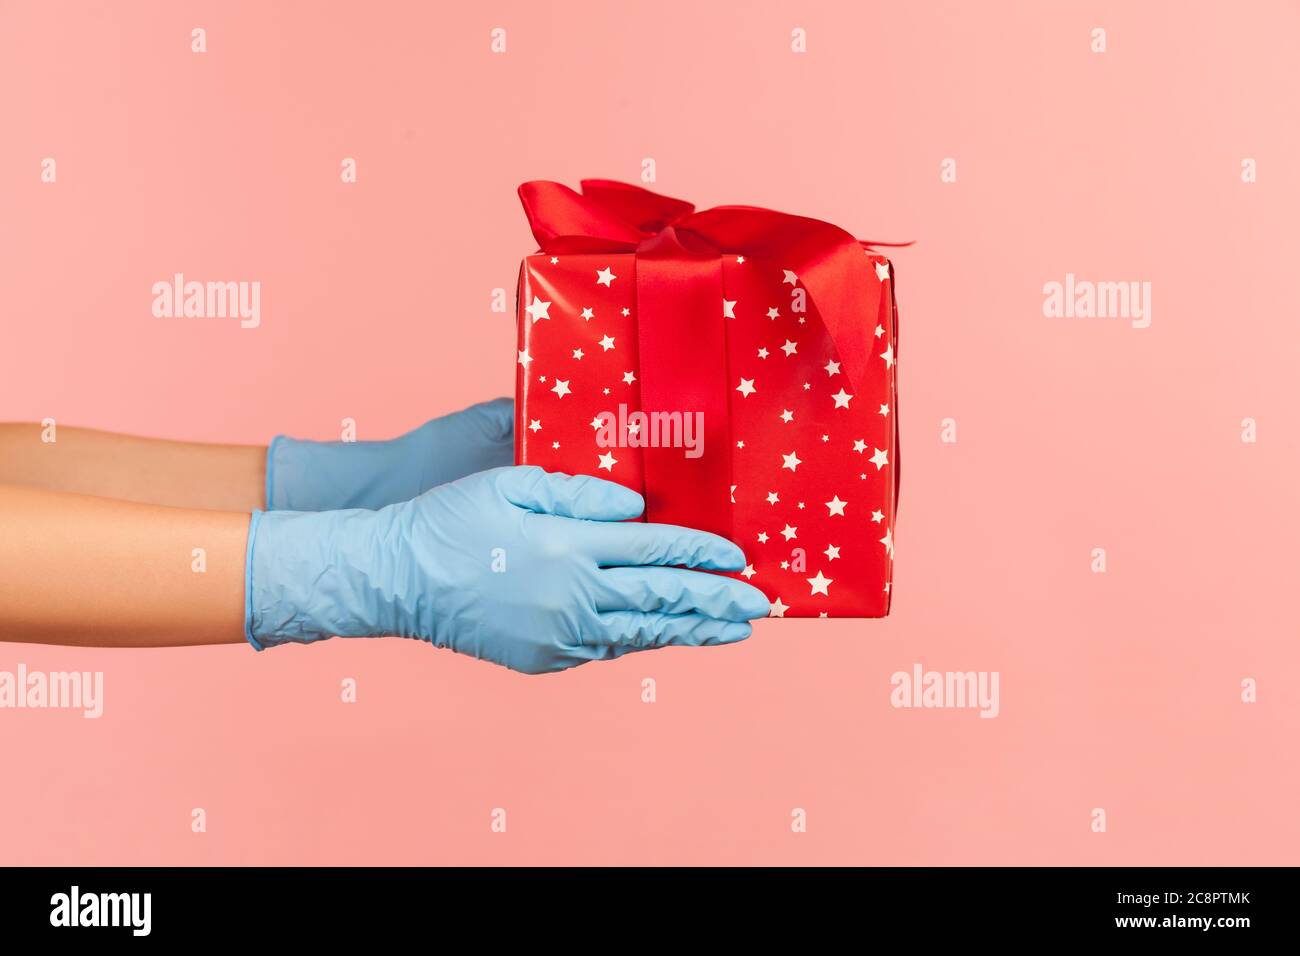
(322, 476)
(535, 571)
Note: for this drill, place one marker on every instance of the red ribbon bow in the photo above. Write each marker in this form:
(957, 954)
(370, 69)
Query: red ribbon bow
(679, 286)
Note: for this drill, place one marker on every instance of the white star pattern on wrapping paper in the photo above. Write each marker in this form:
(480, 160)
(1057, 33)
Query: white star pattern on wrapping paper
(538, 309)
(740, 260)
(554, 261)
(535, 425)
(880, 330)
(750, 344)
(882, 271)
(790, 277)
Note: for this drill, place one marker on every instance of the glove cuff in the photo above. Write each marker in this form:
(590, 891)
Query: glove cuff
(309, 576)
(253, 522)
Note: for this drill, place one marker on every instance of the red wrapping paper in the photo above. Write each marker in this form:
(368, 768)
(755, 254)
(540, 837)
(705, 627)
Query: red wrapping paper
(773, 444)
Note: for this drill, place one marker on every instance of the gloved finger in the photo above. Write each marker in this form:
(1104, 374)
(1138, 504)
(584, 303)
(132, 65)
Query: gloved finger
(631, 545)
(678, 591)
(495, 420)
(581, 496)
(638, 630)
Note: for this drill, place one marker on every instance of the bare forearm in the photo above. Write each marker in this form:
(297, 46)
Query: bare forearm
(83, 570)
(88, 462)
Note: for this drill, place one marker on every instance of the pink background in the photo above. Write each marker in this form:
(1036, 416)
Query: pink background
(1118, 690)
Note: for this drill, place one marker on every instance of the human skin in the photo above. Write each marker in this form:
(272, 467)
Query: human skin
(91, 571)
(148, 470)
(152, 534)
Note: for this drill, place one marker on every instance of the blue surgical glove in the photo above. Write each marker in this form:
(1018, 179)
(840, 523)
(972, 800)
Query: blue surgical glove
(532, 570)
(322, 476)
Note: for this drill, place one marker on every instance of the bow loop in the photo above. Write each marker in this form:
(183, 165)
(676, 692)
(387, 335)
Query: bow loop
(606, 216)
(565, 221)
(647, 211)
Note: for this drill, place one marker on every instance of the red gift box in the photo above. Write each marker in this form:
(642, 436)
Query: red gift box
(735, 366)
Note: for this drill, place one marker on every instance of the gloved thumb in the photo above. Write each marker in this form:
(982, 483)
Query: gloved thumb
(581, 496)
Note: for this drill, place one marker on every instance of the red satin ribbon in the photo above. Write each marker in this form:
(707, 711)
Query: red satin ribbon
(679, 310)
